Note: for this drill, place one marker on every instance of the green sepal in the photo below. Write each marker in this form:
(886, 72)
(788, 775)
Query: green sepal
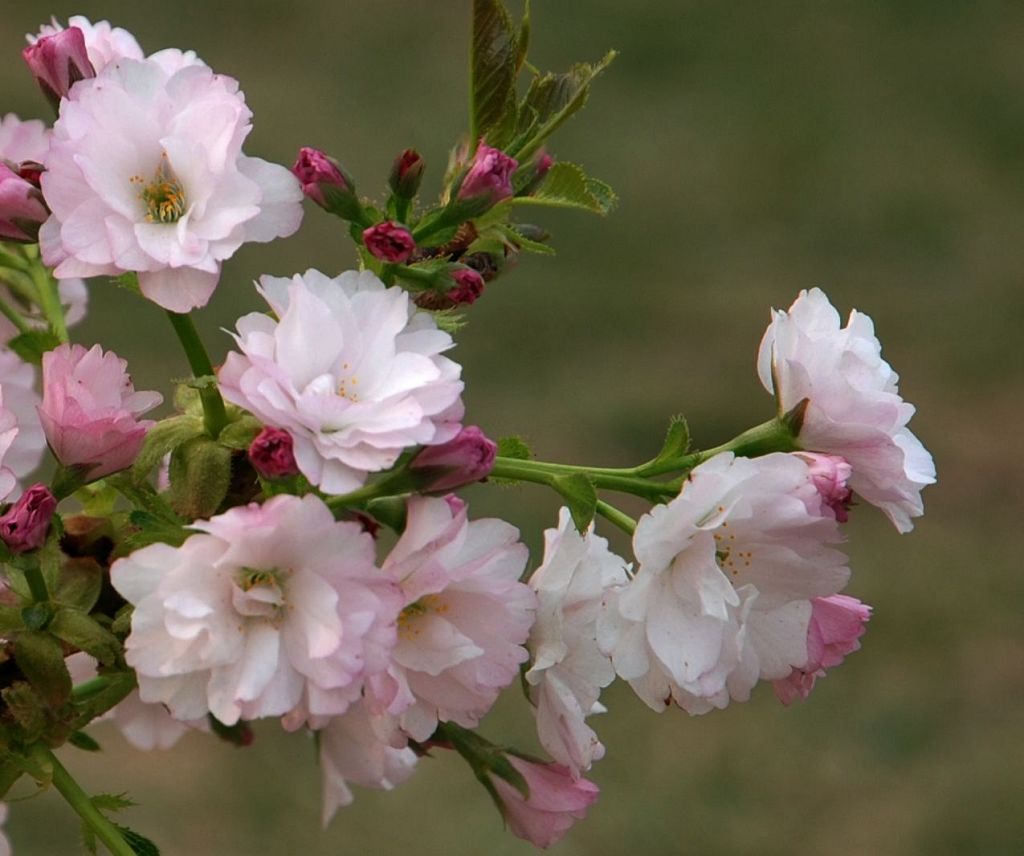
(83, 741)
(162, 438)
(449, 320)
(240, 433)
(552, 99)
(494, 61)
(32, 344)
(81, 582)
(200, 474)
(567, 186)
(40, 657)
(514, 446)
(84, 632)
(580, 495)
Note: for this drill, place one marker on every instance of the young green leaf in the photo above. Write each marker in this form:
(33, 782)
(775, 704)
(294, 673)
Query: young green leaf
(81, 740)
(79, 630)
(31, 345)
(580, 495)
(493, 64)
(514, 446)
(567, 186)
(677, 441)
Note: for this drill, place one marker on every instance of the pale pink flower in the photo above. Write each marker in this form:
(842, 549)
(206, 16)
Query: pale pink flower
(836, 625)
(90, 411)
(569, 670)
(830, 474)
(23, 139)
(144, 726)
(104, 43)
(556, 801)
(270, 608)
(363, 749)
(466, 616)
(351, 370)
(723, 594)
(145, 173)
(17, 381)
(854, 408)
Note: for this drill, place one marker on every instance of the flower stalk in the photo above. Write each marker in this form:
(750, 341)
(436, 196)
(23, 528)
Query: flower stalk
(214, 414)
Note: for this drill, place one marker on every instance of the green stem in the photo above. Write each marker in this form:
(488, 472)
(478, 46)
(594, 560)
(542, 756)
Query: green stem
(609, 512)
(79, 800)
(397, 483)
(15, 317)
(36, 584)
(214, 415)
(49, 300)
(90, 688)
(543, 472)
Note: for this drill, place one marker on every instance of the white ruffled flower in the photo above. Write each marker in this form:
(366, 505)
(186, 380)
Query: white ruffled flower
(466, 616)
(854, 408)
(145, 173)
(727, 572)
(569, 670)
(363, 749)
(351, 370)
(272, 607)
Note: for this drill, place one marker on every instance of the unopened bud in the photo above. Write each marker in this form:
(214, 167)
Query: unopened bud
(829, 475)
(58, 62)
(469, 285)
(272, 454)
(465, 459)
(22, 210)
(406, 174)
(390, 242)
(24, 525)
(324, 181)
(490, 175)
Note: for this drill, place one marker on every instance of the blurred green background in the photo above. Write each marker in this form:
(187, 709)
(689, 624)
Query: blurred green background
(873, 148)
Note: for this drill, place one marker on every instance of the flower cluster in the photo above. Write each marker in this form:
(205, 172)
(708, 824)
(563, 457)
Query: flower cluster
(286, 543)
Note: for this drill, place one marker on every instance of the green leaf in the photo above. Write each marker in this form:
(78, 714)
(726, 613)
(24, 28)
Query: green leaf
(493, 63)
(81, 582)
(514, 446)
(524, 243)
(81, 740)
(162, 438)
(449, 320)
(523, 39)
(11, 621)
(580, 495)
(677, 441)
(31, 345)
(78, 629)
(144, 497)
(113, 802)
(141, 846)
(200, 475)
(26, 707)
(552, 99)
(41, 660)
(567, 186)
(117, 686)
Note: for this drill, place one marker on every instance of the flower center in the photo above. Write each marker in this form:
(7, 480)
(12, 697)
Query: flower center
(730, 560)
(347, 387)
(164, 196)
(407, 628)
(258, 593)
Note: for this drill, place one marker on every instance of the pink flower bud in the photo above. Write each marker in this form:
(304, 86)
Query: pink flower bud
(836, 625)
(489, 176)
(556, 801)
(465, 459)
(390, 242)
(90, 410)
(22, 209)
(58, 62)
(469, 285)
(829, 474)
(272, 454)
(24, 525)
(406, 174)
(320, 176)
(543, 164)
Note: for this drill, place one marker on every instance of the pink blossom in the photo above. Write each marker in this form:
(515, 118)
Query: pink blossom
(351, 371)
(90, 410)
(853, 404)
(466, 616)
(103, 43)
(58, 62)
(320, 176)
(466, 458)
(489, 176)
(24, 525)
(389, 242)
(835, 628)
(722, 597)
(556, 800)
(23, 140)
(272, 454)
(406, 174)
(569, 670)
(22, 209)
(270, 610)
(364, 749)
(24, 451)
(830, 474)
(146, 174)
